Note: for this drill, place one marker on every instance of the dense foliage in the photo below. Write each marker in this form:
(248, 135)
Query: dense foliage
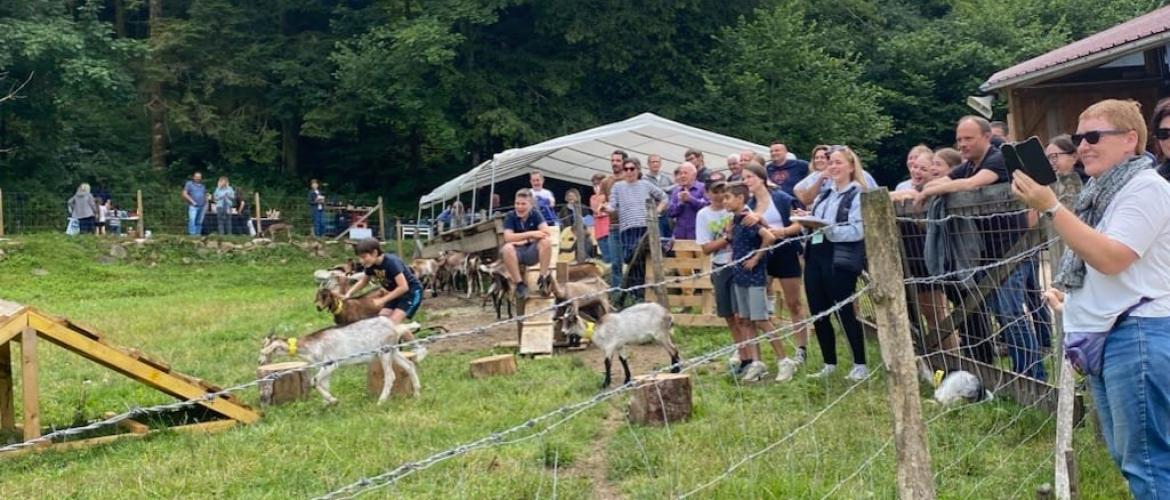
(396, 96)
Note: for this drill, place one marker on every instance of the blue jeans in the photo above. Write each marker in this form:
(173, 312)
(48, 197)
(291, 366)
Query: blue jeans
(603, 247)
(1133, 402)
(318, 223)
(194, 220)
(615, 257)
(1009, 305)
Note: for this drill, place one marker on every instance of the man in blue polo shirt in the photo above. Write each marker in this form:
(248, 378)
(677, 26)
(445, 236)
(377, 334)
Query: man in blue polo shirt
(526, 241)
(784, 171)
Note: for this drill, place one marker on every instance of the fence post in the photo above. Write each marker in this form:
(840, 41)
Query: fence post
(654, 245)
(259, 228)
(1064, 475)
(883, 248)
(381, 220)
(398, 235)
(1, 212)
(141, 218)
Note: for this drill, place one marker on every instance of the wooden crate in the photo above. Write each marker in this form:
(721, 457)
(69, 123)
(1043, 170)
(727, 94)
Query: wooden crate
(692, 301)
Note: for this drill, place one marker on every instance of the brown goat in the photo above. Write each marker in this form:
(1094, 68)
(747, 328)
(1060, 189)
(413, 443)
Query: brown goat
(346, 311)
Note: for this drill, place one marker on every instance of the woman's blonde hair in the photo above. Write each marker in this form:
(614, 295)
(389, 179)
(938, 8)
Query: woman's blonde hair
(1124, 115)
(83, 188)
(853, 159)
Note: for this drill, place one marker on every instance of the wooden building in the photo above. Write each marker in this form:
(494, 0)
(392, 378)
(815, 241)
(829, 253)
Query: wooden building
(1047, 93)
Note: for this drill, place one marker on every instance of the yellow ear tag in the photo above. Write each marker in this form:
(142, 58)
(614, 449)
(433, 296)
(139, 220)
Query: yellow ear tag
(292, 346)
(589, 330)
(938, 377)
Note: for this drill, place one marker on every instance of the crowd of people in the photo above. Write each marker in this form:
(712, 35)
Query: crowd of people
(1113, 283)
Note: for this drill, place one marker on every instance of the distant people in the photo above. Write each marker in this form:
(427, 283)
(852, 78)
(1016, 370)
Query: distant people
(1062, 155)
(568, 212)
(317, 208)
(663, 180)
(920, 174)
(545, 201)
(458, 214)
(105, 211)
(911, 161)
(834, 261)
(616, 161)
(84, 208)
(702, 173)
(225, 199)
(600, 216)
(628, 200)
(494, 205)
(1114, 285)
(807, 189)
(1160, 129)
(195, 194)
(945, 160)
(713, 234)
(526, 242)
(686, 199)
(735, 168)
(783, 171)
(999, 130)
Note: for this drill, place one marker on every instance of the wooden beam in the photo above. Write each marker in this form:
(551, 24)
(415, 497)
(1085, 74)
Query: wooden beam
(29, 384)
(204, 427)
(883, 248)
(1064, 473)
(11, 327)
(141, 217)
(7, 401)
(169, 383)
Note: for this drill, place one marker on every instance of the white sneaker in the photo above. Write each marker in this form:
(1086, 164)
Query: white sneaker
(755, 372)
(858, 373)
(733, 364)
(825, 372)
(784, 369)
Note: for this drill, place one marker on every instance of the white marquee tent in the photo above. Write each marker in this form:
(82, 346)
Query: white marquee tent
(576, 157)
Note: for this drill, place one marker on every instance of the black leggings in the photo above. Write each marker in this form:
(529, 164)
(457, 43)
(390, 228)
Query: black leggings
(825, 286)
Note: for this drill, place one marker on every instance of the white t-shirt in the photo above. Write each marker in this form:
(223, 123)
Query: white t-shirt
(547, 195)
(1139, 218)
(710, 225)
(103, 213)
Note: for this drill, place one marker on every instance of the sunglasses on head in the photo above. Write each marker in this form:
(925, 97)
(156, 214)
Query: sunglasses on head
(1094, 136)
(1162, 133)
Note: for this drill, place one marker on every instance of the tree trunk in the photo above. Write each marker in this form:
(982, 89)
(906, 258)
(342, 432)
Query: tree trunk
(661, 399)
(120, 18)
(290, 131)
(158, 144)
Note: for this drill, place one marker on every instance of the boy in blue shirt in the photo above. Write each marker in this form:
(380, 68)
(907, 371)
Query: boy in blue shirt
(403, 291)
(750, 279)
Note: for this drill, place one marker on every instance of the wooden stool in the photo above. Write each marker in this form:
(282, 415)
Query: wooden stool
(502, 364)
(661, 398)
(291, 386)
(375, 378)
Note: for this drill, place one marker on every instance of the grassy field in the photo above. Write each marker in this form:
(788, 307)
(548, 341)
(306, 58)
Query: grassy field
(205, 314)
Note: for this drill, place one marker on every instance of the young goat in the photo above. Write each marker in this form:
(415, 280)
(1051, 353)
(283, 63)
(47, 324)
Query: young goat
(637, 324)
(588, 294)
(334, 343)
(500, 291)
(426, 271)
(346, 311)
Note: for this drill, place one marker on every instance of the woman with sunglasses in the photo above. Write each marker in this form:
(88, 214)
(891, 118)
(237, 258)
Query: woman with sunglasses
(1114, 286)
(628, 200)
(1160, 122)
(807, 189)
(835, 257)
(1062, 155)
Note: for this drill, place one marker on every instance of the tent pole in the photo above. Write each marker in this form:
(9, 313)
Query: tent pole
(474, 193)
(492, 194)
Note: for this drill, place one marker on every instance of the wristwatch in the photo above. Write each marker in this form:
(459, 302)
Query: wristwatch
(1051, 211)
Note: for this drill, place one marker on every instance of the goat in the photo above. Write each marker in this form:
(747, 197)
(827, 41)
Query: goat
(957, 386)
(334, 343)
(636, 324)
(426, 270)
(587, 294)
(471, 269)
(346, 311)
(582, 270)
(451, 269)
(500, 291)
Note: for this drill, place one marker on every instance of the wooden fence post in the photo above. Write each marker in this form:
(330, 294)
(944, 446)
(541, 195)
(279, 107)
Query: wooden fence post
(141, 218)
(1, 212)
(1064, 477)
(381, 220)
(398, 235)
(259, 214)
(883, 248)
(654, 244)
(30, 387)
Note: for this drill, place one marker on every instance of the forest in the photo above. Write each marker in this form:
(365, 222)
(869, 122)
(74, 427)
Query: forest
(392, 97)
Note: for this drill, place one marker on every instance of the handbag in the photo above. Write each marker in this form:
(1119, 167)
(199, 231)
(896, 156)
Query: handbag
(1086, 350)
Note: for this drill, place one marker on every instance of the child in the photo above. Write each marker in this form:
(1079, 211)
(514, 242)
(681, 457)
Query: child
(103, 216)
(751, 298)
(404, 291)
(712, 224)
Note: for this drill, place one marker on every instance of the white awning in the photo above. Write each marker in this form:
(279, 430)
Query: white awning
(576, 157)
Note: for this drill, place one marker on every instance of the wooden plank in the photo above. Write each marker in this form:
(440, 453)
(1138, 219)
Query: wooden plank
(678, 300)
(478, 238)
(883, 248)
(30, 384)
(83, 329)
(11, 327)
(72, 445)
(129, 425)
(111, 358)
(139, 355)
(7, 401)
(684, 263)
(687, 246)
(205, 427)
(537, 338)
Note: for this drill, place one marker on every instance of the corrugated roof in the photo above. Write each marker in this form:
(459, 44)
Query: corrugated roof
(1133, 35)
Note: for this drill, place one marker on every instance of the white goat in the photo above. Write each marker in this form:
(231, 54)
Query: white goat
(637, 324)
(337, 342)
(955, 386)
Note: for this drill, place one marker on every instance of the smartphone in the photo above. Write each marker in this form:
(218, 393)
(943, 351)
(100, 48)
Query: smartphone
(1029, 156)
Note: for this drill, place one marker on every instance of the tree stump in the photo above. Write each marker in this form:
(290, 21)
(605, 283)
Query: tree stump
(661, 398)
(285, 388)
(401, 387)
(503, 364)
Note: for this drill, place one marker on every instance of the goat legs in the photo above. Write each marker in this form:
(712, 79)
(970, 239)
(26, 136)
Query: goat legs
(625, 366)
(387, 377)
(608, 366)
(321, 382)
(674, 357)
(408, 367)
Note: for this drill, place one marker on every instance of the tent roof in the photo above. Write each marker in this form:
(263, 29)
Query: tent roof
(576, 157)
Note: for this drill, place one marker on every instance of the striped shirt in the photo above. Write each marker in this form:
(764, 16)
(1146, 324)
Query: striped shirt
(629, 201)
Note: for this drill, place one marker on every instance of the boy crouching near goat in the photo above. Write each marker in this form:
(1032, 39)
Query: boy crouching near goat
(404, 292)
(750, 297)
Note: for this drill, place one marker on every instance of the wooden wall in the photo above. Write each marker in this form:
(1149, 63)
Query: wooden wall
(1049, 111)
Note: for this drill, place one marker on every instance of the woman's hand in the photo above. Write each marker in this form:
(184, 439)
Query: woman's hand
(750, 219)
(751, 262)
(800, 212)
(1031, 193)
(1055, 299)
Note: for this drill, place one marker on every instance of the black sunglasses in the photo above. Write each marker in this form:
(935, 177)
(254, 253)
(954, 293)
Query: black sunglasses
(630, 169)
(1162, 133)
(1093, 137)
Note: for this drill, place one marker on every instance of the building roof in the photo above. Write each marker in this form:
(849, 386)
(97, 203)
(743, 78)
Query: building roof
(1137, 34)
(576, 157)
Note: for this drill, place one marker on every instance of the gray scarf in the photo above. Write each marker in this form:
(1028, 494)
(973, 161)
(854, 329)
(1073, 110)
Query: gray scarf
(1090, 208)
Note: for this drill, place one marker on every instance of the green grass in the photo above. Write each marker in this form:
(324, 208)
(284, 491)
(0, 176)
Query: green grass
(206, 318)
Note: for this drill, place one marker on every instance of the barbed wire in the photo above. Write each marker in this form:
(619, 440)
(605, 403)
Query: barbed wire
(569, 411)
(951, 217)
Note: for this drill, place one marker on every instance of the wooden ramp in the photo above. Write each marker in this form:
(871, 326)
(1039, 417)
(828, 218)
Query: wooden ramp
(27, 326)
